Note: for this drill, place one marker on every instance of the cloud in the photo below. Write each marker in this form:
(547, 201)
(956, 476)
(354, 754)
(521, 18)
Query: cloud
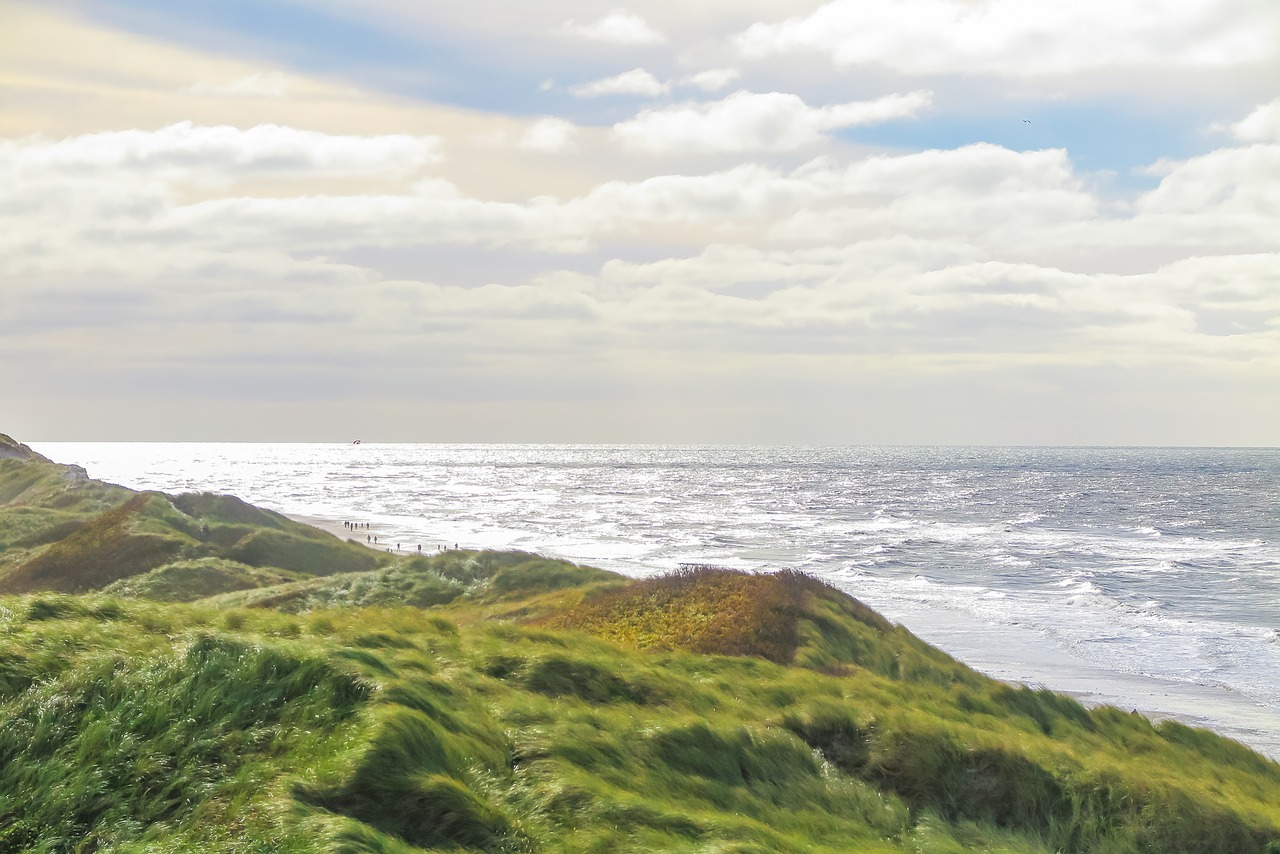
(617, 27)
(730, 198)
(1262, 125)
(912, 297)
(66, 219)
(221, 152)
(301, 240)
(1226, 201)
(637, 81)
(111, 199)
(983, 193)
(271, 84)
(748, 121)
(549, 135)
(978, 254)
(1013, 37)
(712, 80)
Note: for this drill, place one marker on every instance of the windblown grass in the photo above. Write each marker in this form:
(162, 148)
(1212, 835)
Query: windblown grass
(502, 702)
(153, 741)
(137, 726)
(785, 617)
(42, 502)
(55, 535)
(456, 577)
(96, 554)
(198, 578)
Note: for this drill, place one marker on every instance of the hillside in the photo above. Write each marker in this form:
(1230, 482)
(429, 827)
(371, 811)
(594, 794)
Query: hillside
(62, 531)
(504, 702)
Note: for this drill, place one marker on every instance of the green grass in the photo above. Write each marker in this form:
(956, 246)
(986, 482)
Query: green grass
(129, 738)
(98, 553)
(42, 502)
(143, 726)
(504, 702)
(61, 531)
(197, 578)
(497, 582)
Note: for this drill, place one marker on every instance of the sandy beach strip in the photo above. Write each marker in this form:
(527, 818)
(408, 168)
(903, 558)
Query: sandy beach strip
(360, 535)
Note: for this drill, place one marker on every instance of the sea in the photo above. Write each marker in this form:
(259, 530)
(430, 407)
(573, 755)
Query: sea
(1145, 578)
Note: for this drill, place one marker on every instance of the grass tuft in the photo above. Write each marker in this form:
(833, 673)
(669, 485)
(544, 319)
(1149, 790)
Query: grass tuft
(561, 676)
(405, 786)
(106, 750)
(833, 731)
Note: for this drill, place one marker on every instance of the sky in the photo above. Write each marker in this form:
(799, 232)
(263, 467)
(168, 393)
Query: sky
(840, 223)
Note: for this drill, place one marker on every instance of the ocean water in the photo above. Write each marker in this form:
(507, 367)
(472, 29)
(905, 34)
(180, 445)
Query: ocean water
(1148, 578)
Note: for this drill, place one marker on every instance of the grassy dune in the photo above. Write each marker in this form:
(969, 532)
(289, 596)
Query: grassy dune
(60, 530)
(143, 726)
(503, 702)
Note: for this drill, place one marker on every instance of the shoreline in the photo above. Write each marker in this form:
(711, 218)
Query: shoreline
(1041, 664)
(385, 534)
(1050, 668)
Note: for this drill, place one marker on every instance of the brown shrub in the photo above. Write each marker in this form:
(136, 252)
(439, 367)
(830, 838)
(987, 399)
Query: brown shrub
(710, 610)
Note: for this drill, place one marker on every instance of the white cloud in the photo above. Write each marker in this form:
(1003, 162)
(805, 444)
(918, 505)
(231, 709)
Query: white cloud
(983, 193)
(914, 297)
(618, 27)
(749, 121)
(549, 135)
(276, 263)
(637, 81)
(1262, 125)
(84, 198)
(270, 84)
(1226, 181)
(222, 152)
(1014, 37)
(970, 254)
(732, 197)
(713, 79)
(327, 223)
